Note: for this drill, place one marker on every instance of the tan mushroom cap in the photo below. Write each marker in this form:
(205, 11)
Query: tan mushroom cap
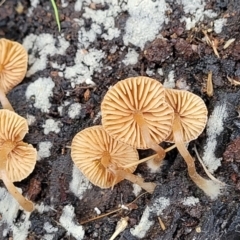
(192, 111)
(13, 64)
(22, 158)
(88, 149)
(137, 95)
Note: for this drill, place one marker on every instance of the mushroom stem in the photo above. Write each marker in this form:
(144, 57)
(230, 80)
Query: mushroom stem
(105, 159)
(211, 188)
(149, 142)
(26, 204)
(148, 158)
(4, 101)
(120, 173)
(23, 202)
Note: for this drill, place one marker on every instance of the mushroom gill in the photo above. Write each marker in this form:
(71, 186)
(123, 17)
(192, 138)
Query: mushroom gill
(134, 112)
(17, 159)
(13, 67)
(102, 159)
(190, 117)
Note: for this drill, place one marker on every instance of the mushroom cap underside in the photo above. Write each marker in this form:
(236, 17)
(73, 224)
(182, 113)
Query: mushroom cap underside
(128, 99)
(21, 161)
(22, 156)
(13, 64)
(88, 149)
(192, 112)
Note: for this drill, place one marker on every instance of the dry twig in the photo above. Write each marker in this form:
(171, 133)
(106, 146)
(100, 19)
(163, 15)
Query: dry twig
(111, 212)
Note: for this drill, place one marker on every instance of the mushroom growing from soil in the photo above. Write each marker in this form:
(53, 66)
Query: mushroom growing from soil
(13, 67)
(134, 111)
(190, 118)
(17, 159)
(102, 159)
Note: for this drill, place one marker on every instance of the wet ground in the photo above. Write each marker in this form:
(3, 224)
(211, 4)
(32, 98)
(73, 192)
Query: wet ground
(81, 64)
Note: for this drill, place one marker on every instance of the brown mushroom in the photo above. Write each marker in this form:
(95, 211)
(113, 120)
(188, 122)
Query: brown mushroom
(134, 112)
(13, 67)
(190, 117)
(17, 159)
(102, 159)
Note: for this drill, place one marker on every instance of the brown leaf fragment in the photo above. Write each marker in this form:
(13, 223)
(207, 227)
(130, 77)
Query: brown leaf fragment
(209, 85)
(232, 152)
(34, 189)
(158, 51)
(87, 95)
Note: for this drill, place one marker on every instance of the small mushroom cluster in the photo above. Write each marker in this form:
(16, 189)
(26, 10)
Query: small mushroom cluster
(17, 158)
(138, 113)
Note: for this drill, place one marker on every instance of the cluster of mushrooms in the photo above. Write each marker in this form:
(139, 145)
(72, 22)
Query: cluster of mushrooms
(139, 113)
(17, 158)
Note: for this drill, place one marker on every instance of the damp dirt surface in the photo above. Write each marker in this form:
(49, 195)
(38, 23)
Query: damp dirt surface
(192, 59)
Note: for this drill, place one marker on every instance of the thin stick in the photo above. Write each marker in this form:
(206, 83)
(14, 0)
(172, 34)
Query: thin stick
(113, 211)
(2, 2)
(205, 169)
(161, 224)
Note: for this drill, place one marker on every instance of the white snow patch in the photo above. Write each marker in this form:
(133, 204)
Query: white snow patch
(150, 72)
(86, 62)
(98, 212)
(58, 66)
(41, 89)
(159, 205)
(104, 18)
(89, 36)
(170, 81)
(43, 208)
(145, 21)
(78, 5)
(99, 114)
(131, 57)
(60, 110)
(218, 24)
(41, 46)
(79, 183)
(145, 224)
(44, 150)
(64, 4)
(190, 201)
(136, 189)
(74, 110)
(67, 221)
(160, 71)
(196, 10)
(50, 231)
(30, 119)
(209, 13)
(20, 229)
(34, 4)
(51, 126)
(9, 209)
(214, 128)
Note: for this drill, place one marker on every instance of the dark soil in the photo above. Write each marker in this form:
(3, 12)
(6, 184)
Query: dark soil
(191, 59)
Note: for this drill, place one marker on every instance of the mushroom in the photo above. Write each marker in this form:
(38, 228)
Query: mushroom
(134, 112)
(190, 117)
(102, 159)
(17, 159)
(13, 67)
